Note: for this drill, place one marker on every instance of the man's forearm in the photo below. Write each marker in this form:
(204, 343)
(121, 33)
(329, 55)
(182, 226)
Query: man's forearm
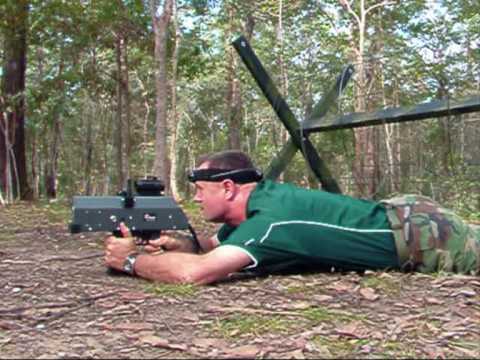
(169, 267)
(174, 266)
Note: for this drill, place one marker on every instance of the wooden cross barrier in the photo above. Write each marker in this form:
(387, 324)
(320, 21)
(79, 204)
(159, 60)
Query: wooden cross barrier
(299, 132)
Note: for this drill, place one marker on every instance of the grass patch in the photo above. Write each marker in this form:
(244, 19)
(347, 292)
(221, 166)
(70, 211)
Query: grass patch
(387, 285)
(298, 289)
(336, 348)
(56, 212)
(397, 349)
(179, 290)
(7, 235)
(393, 346)
(250, 325)
(340, 347)
(320, 314)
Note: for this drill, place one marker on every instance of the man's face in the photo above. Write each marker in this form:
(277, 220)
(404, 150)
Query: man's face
(211, 198)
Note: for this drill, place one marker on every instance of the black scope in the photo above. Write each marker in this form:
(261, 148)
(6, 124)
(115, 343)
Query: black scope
(150, 186)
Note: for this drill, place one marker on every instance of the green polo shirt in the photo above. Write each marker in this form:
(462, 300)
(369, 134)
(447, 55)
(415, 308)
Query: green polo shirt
(289, 228)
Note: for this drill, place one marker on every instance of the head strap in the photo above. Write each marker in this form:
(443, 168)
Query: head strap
(239, 176)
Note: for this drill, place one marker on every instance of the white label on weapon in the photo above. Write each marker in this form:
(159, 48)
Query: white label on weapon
(149, 217)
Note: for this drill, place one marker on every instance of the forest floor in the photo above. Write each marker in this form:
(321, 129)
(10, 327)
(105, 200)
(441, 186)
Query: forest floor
(59, 302)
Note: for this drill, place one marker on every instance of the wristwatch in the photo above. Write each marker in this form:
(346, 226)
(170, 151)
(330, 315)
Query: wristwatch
(129, 264)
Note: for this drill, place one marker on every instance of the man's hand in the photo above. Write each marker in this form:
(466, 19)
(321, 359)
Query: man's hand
(117, 249)
(167, 242)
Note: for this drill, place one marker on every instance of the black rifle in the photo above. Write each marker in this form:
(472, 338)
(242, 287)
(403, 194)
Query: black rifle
(142, 207)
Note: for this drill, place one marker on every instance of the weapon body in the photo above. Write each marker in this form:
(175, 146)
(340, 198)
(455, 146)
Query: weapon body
(141, 207)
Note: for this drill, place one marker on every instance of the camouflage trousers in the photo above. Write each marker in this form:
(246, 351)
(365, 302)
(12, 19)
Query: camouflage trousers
(431, 238)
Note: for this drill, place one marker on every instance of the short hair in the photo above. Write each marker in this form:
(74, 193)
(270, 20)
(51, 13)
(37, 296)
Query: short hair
(228, 160)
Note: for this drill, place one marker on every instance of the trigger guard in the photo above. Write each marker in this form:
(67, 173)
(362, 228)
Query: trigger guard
(140, 242)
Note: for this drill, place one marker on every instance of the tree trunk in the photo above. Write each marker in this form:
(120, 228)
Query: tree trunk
(53, 143)
(6, 185)
(13, 167)
(145, 125)
(52, 161)
(34, 136)
(160, 28)
(174, 120)
(35, 175)
(123, 111)
(283, 68)
(445, 131)
(88, 150)
(365, 167)
(233, 104)
(233, 108)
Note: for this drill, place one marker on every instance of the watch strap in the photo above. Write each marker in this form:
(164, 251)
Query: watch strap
(129, 264)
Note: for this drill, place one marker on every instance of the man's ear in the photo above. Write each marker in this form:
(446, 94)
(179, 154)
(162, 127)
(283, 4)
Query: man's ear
(229, 188)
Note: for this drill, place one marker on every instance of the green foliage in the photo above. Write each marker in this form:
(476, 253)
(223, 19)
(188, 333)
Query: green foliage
(413, 51)
(57, 212)
(385, 284)
(175, 290)
(323, 314)
(338, 348)
(241, 325)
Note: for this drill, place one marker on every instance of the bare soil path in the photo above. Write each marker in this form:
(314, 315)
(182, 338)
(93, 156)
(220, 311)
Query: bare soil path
(59, 302)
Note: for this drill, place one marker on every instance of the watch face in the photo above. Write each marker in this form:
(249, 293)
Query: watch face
(128, 265)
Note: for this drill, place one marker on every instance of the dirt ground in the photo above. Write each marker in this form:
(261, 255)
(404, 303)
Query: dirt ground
(59, 302)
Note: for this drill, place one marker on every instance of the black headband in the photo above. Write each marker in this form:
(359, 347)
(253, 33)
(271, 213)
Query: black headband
(239, 176)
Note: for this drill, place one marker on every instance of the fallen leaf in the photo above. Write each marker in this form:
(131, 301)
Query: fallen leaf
(451, 283)
(155, 341)
(190, 317)
(209, 342)
(244, 352)
(369, 294)
(159, 342)
(128, 327)
(322, 298)
(433, 301)
(296, 354)
(465, 292)
(5, 325)
(181, 347)
(107, 304)
(385, 275)
(300, 343)
(351, 330)
(432, 328)
(451, 334)
(340, 287)
(300, 306)
(378, 335)
(134, 295)
(366, 349)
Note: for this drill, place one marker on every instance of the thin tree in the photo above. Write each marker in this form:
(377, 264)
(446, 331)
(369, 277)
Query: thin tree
(161, 16)
(13, 168)
(174, 119)
(364, 167)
